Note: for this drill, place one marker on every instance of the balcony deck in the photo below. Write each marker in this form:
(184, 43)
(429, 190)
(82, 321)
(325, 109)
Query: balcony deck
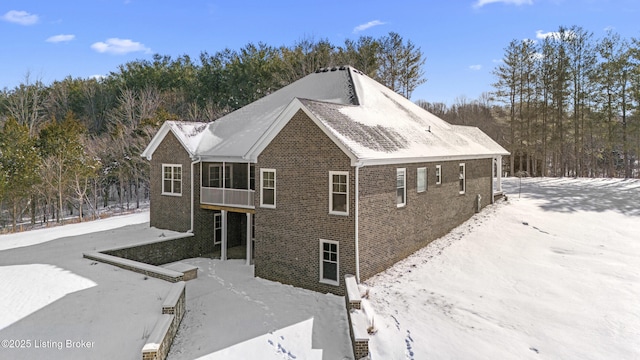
(241, 198)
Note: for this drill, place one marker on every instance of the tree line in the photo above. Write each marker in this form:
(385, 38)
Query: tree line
(68, 146)
(571, 102)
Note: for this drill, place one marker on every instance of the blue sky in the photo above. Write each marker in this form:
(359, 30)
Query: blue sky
(461, 39)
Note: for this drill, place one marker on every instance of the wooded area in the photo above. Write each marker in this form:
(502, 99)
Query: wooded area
(69, 145)
(571, 102)
(563, 106)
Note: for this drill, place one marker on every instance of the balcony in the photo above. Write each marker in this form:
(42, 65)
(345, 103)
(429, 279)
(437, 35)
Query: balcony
(227, 197)
(227, 184)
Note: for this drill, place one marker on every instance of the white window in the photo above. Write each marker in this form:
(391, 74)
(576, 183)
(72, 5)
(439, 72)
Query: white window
(401, 187)
(422, 179)
(339, 192)
(438, 174)
(329, 262)
(217, 228)
(268, 188)
(462, 179)
(172, 179)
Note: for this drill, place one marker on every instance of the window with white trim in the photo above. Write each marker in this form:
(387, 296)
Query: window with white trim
(401, 187)
(268, 188)
(421, 175)
(462, 180)
(339, 192)
(329, 262)
(172, 179)
(217, 228)
(438, 174)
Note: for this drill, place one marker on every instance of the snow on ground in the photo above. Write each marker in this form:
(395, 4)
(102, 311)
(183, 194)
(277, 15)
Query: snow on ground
(34, 237)
(233, 315)
(552, 274)
(33, 287)
(50, 295)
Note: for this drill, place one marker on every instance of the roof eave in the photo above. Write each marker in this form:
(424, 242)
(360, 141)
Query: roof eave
(423, 159)
(159, 137)
(283, 119)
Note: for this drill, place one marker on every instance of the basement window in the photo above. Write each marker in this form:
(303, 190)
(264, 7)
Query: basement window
(329, 262)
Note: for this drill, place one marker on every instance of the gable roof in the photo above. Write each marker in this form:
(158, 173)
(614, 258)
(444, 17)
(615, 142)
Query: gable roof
(371, 123)
(187, 133)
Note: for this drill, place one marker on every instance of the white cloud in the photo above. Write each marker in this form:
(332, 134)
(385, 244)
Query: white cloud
(97, 77)
(543, 35)
(20, 17)
(60, 38)
(481, 3)
(553, 34)
(475, 67)
(119, 46)
(368, 25)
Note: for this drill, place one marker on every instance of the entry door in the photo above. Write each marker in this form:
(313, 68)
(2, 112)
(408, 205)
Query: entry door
(217, 228)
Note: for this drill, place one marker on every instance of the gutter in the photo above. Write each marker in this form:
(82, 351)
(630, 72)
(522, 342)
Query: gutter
(357, 198)
(193, 163)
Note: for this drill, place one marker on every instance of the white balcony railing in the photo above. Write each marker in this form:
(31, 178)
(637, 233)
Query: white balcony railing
(227, 197)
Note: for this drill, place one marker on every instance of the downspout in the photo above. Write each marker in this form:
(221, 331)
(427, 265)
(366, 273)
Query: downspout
(193, 163)
(357, 197)
(494, 178)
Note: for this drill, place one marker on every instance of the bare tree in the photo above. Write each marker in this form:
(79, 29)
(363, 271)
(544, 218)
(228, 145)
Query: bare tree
(26, 103)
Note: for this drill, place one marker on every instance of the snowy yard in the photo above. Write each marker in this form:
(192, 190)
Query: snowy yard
(54, 304)
(554, 274)
(233, 315)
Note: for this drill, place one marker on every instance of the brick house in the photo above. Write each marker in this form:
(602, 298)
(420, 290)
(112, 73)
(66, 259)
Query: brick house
(334, 174)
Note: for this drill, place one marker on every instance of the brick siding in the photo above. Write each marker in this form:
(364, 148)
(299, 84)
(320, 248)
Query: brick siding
(287, 246)
(174, 212)
(388, 234)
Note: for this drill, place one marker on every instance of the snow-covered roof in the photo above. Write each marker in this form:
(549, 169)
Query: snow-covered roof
(188, 134)
(369, 122)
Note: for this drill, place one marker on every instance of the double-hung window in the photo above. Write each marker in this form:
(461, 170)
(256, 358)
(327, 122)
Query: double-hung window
(268, 188)
(329, 262)
(172, 179)
(438, 174)
(401, 187)
(462, 179)
(339, 192)
(421, 175)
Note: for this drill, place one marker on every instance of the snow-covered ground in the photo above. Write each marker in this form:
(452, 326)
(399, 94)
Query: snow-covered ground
(233, 315)
(54, 304)
(50, 295)
(552, 274)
